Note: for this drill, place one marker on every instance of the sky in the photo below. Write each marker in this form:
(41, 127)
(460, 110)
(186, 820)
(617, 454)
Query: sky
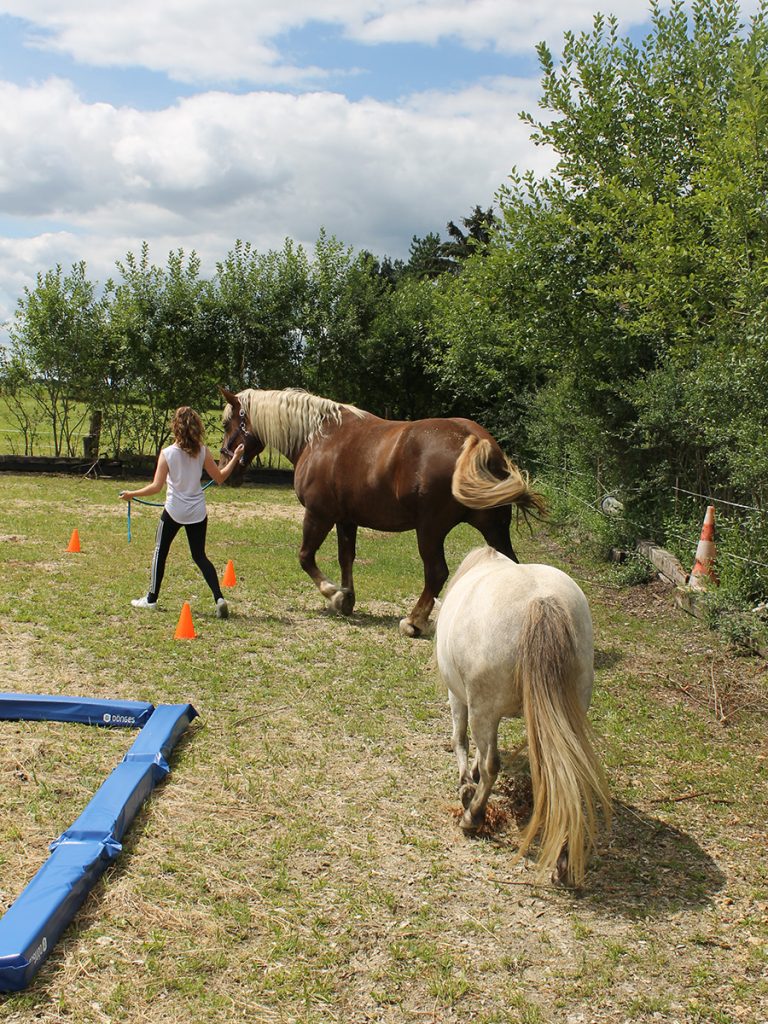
(190, 124)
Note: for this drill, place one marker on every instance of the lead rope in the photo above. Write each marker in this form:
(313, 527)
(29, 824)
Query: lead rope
(155, 504)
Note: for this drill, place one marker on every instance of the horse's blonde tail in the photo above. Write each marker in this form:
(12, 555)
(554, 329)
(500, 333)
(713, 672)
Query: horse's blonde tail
(476, 485)
(569, 784)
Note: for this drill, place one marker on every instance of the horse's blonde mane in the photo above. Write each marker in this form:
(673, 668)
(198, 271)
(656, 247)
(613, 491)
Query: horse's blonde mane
(288, 420)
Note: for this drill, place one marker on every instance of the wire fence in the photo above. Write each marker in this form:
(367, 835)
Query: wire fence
(646, 530)
(14, 442)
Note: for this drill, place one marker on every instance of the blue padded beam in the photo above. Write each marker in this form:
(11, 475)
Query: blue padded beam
(30, 928)
(34, 707)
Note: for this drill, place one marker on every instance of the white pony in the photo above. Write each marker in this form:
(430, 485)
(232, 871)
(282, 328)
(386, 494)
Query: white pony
(516, 641)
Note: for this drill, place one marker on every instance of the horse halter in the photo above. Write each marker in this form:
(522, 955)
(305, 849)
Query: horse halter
(242, 431)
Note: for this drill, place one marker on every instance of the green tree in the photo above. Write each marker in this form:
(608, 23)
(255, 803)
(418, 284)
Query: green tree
(426, 258)
(474, 238)
(164, 346)
(398, 356)
(344, 298)
(631, 299)
(261, 302)
(55, 337)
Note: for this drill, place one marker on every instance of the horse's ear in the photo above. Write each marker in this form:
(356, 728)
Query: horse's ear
(230, 396)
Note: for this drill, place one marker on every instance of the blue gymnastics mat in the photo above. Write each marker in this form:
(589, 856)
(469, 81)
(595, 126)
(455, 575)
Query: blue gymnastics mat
(30, 928)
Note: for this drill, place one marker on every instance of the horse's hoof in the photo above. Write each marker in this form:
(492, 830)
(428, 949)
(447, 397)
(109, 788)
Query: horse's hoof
(342, 601)
(407, 628)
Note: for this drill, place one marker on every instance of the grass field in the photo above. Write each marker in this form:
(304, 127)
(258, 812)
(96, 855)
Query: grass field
(302, 862)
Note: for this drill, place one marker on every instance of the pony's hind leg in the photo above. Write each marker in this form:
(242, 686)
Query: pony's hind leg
(459, 717)
(485, 735)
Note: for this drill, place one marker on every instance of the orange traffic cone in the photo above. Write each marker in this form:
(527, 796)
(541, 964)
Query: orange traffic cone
(74, 542)
(703, 571)
(229, 579)
(185, 630)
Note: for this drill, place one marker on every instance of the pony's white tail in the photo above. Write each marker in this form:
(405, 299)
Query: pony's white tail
(568, 781)
(477, 485)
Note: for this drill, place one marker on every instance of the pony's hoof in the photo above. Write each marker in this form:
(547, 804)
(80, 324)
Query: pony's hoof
(466, 792)
(471, 822)
(407, 628)
(343, 601)
(560, 873)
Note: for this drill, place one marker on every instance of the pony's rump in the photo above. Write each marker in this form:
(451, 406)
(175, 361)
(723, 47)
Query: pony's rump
(476, 485)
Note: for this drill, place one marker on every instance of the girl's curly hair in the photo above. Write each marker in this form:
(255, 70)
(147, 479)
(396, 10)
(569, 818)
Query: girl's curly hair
(187, 429)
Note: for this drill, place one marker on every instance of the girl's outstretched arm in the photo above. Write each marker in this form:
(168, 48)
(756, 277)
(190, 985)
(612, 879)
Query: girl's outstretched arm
(218, 474)
(161, 475)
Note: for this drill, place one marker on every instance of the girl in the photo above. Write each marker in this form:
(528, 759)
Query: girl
(180, 466)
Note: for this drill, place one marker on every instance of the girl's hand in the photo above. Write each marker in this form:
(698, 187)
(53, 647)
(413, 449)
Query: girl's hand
(126, 495)
(239, 451)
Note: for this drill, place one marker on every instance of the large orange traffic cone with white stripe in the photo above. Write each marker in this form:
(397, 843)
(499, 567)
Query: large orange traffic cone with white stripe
(703, 572)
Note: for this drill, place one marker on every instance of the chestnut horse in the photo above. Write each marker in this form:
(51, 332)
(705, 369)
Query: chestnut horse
(352, 469)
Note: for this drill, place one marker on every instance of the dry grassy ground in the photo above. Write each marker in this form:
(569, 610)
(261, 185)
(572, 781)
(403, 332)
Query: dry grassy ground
(302, 862)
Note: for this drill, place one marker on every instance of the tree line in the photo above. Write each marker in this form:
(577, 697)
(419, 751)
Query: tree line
(612, 313)
(335, 322)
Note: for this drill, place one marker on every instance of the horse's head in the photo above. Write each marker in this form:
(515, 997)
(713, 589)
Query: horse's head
(237, 430)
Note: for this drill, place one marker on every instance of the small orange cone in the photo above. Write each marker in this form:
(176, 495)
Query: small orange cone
(74, 542)
(185, 630)
(229, 579)
(703, 570)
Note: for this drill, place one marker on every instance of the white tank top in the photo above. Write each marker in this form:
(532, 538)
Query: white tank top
(184, 499)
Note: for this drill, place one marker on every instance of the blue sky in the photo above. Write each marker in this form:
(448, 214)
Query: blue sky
(192, 125)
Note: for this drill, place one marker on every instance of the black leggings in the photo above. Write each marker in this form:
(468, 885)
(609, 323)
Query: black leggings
(166, 530)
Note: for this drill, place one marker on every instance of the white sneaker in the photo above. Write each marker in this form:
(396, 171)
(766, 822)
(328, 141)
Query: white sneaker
(143, 602)
(222, 609)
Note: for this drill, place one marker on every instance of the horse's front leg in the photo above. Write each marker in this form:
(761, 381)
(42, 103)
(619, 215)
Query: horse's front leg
(435, 575)
(315, 531)
(346, 535)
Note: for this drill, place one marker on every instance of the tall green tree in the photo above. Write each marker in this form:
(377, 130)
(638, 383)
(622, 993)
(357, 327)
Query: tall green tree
(398, 354)
(166, 351)
(344, 298)
(262, 304)
(634, 275)
(56, 335)
(473, 238)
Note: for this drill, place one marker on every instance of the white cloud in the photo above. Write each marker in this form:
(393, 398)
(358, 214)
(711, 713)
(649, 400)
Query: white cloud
(262, 166)
(208, 41)
(90, 180)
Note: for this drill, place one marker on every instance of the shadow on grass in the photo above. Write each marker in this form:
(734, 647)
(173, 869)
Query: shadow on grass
(302, 618)
(365, 620)
(644, 868)
(649, 867)
(608, 657)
